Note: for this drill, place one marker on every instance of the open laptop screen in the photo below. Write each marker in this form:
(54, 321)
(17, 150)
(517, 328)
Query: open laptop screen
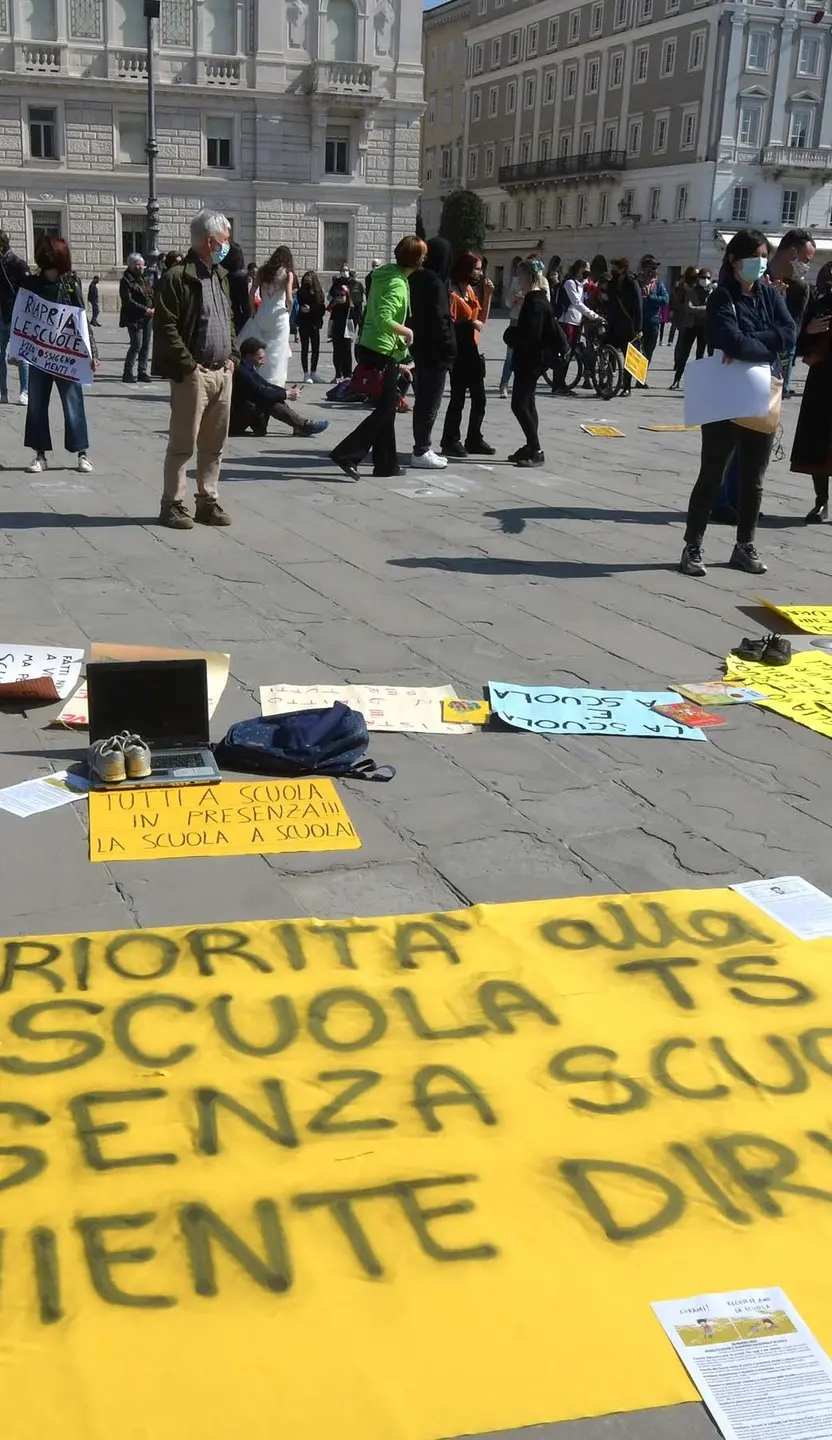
(164, 701)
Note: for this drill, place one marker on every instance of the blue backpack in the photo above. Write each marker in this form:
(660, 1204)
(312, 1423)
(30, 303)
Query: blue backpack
(330, 741)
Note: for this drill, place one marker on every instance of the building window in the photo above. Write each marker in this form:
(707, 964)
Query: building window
(528, 92)
(473, 164)
(503, 214)
(655, 207)
(544, 146)
(668, 58)
(525, 151)
(574, 26)
(39, 20)
(46, 224)
(513, 46)
(540, 218)
(531, 41)
(634, 137)
(560, 212)
(593, 74)
(748, 131)
(219, 152)
(687, 138)
(616, 70)
(800, 129)
(511, 97)
(604, 208)
(582, 208)
(671, 7)
(681, 210)
(432, 109)
(809, 56)
(478, 53)
(486, 215)
(587, 140)
(84, 19)
(133, 236)
(696, 50)
(521, 214)
(610, 136)
(445, 162)
(430, 156)
(508, 153)
(620, 14)
(482, 7)
(642, 63)
(177, 19)
(476, 105)
(448, 106)
(596, 19)
(549, 87)
(488, 161)
(629, 198)
(565, 144)
(758, 55)
(661, 124)
(336, 243)
(552, 34)
(789, 208)
(644, 11)
(740, 204)
(570, 82)
(493, 101)
(43, 133)
(496, 47)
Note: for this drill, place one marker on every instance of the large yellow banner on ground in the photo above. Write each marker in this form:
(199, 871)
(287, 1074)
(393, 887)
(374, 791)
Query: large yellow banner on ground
(404, 1178)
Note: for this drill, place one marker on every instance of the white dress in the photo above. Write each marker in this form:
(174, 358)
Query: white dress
(270, 325)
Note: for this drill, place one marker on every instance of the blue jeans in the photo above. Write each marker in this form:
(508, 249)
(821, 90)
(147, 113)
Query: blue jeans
(22, 369)
(38, 437)
(508, 367)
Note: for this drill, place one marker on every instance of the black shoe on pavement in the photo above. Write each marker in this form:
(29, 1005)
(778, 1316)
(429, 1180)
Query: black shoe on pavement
(128, 379)
(778, 650)
(691, 562)
(456, 451)
(751, 648)
(518, 455)
(210, 512)
(479, 447)
(534, 459)
(145, 379)
(745, 557)
(818, 515)
(346, 468)
(388, 474)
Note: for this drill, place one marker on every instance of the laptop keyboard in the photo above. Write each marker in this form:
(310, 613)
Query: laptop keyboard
(179, 760)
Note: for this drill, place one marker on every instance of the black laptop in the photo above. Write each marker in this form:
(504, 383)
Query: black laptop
(163, 701)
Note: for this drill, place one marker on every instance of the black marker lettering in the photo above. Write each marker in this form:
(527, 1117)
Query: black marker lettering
(318, 1016)
(14, 963)
(560, 1069)
(358, 1083)
(658, 1068)
(286, 1026)
(21, 1025)
(759, 1178)
(501, 998)
(33, 1162)
(201, 1226)
(100, 1260)
(797, 1081)
(206, 944)
(208, 1101)
(166, 956)
(123, 1032)
(88, 1129)
(466, 1093)
(577, 1174)
(665, 971)
(420, 1026)
(796, 993)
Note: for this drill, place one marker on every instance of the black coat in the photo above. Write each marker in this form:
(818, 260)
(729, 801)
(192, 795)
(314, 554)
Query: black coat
(533, 335)
(240, 298)
(812, 448)
(434, 340)
(136, 298)
(13, 272)
(623, 310)
(313, 318)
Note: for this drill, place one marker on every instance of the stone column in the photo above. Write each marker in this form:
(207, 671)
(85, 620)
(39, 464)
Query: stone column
(733, 75)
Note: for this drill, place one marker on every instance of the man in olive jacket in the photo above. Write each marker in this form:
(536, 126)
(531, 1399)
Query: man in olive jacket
(195, 347)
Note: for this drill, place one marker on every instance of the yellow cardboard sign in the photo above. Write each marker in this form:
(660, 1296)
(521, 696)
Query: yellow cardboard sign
(466, 712)
(811, 619)
(801, 690)
(259, 817)
(405, 1177)
(636, 364)
(603, 430)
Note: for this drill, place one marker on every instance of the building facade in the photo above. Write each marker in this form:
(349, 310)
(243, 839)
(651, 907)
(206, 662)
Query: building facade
(628, 126)
(443, 59)
(300, 119)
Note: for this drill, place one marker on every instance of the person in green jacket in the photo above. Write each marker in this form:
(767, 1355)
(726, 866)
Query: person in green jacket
(383, 347)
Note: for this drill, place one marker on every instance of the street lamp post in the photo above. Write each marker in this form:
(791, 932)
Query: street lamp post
(152, 10)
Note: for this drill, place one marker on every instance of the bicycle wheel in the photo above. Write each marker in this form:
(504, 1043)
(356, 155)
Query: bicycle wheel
(567, 374)
(609, 372)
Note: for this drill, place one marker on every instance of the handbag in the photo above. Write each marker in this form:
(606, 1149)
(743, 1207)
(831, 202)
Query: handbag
(766, 424)
(367, 382)
(350, 330)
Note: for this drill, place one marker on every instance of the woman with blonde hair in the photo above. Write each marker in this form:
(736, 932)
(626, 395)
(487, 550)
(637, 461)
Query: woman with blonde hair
(269, 324)
(530, 339)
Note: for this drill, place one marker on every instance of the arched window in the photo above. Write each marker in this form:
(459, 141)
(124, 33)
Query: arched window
(220, 27)
(341, 31)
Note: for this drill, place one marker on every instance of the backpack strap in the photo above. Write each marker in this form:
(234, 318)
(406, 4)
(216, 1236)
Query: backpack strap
(367, 769)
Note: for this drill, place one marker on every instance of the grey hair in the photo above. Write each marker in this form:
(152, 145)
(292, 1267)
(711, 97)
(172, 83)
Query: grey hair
(208, 222)
(131, 259)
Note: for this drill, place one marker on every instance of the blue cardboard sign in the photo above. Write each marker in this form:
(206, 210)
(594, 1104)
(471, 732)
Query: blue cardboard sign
(561, 710)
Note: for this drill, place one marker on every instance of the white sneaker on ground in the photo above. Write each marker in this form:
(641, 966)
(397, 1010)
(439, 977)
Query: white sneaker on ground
(24, 398)
(429, 461)
(307, 379)
(84, 465)
(38, 465)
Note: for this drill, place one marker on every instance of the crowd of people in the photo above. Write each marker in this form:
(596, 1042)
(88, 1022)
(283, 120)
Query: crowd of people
(220, 331)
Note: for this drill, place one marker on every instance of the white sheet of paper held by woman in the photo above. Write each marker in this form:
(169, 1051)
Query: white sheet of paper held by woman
(718, 391)
(754, 1361)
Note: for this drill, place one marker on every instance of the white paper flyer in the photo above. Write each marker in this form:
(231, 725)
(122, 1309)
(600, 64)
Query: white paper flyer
(794, 903)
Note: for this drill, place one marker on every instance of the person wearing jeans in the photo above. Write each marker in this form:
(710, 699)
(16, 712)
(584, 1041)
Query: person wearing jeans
(433, 349)
(56, 284)
(13, 272)
(136, 317)
(747, 320)
(38, 436)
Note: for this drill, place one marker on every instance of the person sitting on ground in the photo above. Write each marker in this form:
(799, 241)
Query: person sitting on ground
(254, 401)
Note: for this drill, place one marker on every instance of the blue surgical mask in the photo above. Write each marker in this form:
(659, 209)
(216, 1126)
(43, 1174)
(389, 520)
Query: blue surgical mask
(753, 269)
(219, 255)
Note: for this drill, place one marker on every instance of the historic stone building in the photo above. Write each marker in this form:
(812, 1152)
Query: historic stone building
(299, 118)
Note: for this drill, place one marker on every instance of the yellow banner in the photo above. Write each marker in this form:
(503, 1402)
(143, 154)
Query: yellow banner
(635, 363)
(259, 817)
(811, 619)
(801, 690)
(400, 1178)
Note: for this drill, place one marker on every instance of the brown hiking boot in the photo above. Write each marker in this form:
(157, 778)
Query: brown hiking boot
(210, 512)
(174, 515)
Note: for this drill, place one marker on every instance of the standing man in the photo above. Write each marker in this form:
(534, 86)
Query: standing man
(136, 317)
(94, 300)
(654, 297)
(788, 269)
(368, 278)
(13, 272)
(196, 349)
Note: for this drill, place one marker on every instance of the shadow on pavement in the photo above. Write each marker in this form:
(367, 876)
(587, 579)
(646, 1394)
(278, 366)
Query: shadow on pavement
(513, 522)
(552, 569)
(49, 520)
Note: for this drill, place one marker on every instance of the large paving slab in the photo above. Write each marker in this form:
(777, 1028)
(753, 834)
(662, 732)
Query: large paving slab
(565, 575)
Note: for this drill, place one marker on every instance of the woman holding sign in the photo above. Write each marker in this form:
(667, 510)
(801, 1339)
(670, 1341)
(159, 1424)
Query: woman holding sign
(56, 284)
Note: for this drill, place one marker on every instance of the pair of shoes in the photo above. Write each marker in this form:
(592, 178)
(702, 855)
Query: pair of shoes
(210, 512)
(388, 474)
(691, 562)
(350, 471)
(174, 516)
(534, 458)
(766, 650)
(310, 427)
(145, 379)
(479, 447)
(429, 460)
(456, 451)
(24, 398)
(744, 557)
(84, 464)
(128, 379)
(121, 757)
(819, 514)
(307, 379)
(38, 465)
(503, 392)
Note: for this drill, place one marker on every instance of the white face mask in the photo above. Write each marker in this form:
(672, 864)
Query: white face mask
(800, 269)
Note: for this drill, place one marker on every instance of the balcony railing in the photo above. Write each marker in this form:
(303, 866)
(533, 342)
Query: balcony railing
(38, 59)
(220, 71)
(795, 157)
(564, 167)
(127, 64)
(340, 77)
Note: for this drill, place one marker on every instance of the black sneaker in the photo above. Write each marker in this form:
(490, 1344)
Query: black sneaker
(818, 515)
(174, 516)
(210, 512)
(691, 562)
(128, 379)
(145, 379)
(778, 650)
(456, 451)
(479, 447)
(534, 459)
(518, 455)
(745, 557)
(751, 648)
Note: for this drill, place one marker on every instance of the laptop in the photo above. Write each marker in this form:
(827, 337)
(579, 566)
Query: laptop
(164, 701)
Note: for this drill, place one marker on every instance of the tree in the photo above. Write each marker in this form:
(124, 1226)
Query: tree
(463, 221)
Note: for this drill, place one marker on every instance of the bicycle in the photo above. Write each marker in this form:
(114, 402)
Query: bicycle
(588, 356)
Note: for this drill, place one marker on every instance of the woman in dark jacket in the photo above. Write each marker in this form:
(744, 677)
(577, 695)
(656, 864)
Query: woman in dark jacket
(238, 287)
(311, 311)
(687, 305)
(747, 320)
(623, 312)
(433, 348)
(530, 338)
(56, 282)
(812, 448)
